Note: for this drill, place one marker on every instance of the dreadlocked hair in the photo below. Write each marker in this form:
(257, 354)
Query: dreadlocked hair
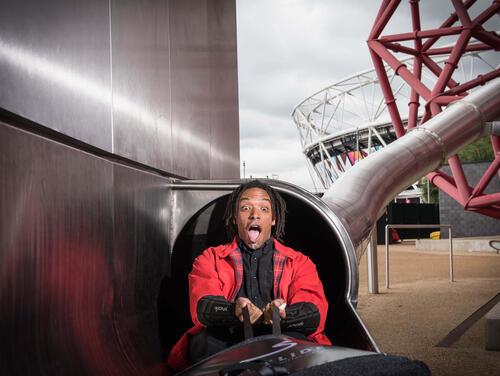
(278, 207)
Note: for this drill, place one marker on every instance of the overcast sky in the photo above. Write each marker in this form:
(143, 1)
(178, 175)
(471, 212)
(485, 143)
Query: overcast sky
(288, 50)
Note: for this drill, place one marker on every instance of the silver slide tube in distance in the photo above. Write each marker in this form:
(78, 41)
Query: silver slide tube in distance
(360, 195)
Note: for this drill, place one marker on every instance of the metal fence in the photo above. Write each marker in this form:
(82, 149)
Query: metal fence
(387, 227)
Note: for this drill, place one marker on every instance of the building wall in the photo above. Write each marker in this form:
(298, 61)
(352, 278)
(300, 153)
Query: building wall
(465, 223)
(102, 104)
(154, 81)
(83, 252)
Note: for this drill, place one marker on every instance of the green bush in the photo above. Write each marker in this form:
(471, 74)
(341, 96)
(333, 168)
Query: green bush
(478, 151)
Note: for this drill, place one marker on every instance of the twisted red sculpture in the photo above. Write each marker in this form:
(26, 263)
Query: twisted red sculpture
(445, 89)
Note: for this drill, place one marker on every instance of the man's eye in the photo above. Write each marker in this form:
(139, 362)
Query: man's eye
(244, 208)
(265, 209)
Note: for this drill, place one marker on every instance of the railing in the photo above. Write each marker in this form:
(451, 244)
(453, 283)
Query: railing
(387, 227)
(495, 244)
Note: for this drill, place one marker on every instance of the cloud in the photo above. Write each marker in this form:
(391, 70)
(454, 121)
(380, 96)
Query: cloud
(288, 50)
(266, 161)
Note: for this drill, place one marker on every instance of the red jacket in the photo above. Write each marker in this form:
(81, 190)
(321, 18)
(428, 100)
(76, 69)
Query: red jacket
(219, 271)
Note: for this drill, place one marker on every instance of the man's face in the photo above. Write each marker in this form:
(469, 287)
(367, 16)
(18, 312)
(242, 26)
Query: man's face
(254, 217)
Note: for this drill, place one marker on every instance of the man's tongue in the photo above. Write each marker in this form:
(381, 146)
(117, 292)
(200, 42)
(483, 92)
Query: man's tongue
(253, 235)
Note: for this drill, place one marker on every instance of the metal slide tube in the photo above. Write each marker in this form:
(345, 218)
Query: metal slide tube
(360, 195)
(189, 197)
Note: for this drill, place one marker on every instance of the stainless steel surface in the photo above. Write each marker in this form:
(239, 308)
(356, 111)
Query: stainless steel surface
(141, 81)
(189, 55)
(386, 260)
(372, 263)
(85, 273)
(83, 253)
(360, 195)
(311, 227)
(493, 128)
(153, 81)
(54, 66)
(450, 237)
(204, 79)
(387, 227)
(142, 215)
(189, 199)
(223, 97)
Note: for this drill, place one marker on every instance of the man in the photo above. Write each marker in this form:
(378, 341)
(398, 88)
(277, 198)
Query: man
(256, 271)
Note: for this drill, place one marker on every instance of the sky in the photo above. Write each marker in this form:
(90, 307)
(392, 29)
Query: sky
(288, 50)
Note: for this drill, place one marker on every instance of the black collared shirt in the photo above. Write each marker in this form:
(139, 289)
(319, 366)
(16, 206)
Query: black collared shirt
(258, 276)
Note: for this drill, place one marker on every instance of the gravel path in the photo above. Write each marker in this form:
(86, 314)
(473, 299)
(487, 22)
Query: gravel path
(422, 307)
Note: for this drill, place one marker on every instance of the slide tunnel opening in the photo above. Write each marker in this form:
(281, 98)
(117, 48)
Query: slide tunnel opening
(306, 231)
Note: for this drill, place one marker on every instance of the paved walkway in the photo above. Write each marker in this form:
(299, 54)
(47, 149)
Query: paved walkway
(422, 307)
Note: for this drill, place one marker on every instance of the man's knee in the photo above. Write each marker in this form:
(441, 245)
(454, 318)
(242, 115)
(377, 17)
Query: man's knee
(204, 344)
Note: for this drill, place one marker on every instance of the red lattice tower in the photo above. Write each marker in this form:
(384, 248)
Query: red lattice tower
(445, 89)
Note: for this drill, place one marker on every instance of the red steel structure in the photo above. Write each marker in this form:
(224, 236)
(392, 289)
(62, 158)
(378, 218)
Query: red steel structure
(471, 36)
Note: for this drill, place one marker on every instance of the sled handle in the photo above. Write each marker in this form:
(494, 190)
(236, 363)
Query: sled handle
(247, 325)
(276, 320)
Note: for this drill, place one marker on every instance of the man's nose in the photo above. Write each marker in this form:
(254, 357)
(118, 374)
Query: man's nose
(254, 213)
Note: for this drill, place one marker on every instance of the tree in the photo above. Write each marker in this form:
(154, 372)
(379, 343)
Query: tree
(478, 151)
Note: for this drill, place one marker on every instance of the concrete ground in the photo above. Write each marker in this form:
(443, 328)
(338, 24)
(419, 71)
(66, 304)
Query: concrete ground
(422, 306)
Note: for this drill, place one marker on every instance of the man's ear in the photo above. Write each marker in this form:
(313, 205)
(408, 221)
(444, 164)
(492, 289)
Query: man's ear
(273, 222)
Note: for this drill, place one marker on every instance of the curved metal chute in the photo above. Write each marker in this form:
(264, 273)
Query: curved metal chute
(361, 194)
(311, 227)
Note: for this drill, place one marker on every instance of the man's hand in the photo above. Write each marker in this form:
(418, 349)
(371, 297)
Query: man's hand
(253, 310)
(268, 310)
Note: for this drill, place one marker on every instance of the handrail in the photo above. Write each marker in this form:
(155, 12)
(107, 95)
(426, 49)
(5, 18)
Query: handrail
(387, 227)
(495, 244)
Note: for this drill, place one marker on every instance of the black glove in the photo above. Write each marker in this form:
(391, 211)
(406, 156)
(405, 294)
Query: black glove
(301, 317)
(216, 311)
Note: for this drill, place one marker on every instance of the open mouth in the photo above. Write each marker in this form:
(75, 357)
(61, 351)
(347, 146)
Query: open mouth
(254, 232)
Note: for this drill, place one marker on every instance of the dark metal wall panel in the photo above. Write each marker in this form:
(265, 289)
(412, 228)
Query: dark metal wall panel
(141, 81)
(56, 283)
(83, 251)
(142, 212)
(54, 65)
(224, 122)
